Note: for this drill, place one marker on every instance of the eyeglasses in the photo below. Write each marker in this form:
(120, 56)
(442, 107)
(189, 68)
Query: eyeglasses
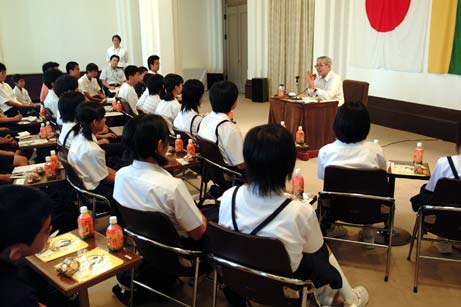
(320, 65)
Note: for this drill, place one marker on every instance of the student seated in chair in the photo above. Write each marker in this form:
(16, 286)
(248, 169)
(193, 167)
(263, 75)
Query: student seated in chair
(45, 67)
(169, 106)
(148, 102)
(67, 104)
(142, 84)
(73, 69)
(51, 100)
(188, 120)
(112, 76)
(89, 86)
(63, 84)
(217, 126)
(20, 91)
(127, 91)
(270, 157)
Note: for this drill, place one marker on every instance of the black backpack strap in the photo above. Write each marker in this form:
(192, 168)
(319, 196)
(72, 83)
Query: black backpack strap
(453, 168)
(271, 217)
(67, 135)
(216, 130)
(192, 124)
(234, 222)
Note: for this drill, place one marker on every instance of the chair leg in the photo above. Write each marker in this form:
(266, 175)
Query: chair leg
(413, 237)
(194, 297)
(304, 297)
(418, 251)
(132, 288)
(389, 246)
(215, 286)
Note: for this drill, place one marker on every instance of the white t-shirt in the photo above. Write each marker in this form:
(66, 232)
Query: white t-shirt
(183, 122)
(112, 76)
(88, 86)
(146, 186)
(51, 102)
(443, 169)
(88, 161)
(21, 95)
(121, 52)
(169, 110)
(329, 88)
(149, 104)
(66, 127)
(143, 98)
(355, 155)
(296, 225)
(230, 138)
(128, 92)
(6, 94)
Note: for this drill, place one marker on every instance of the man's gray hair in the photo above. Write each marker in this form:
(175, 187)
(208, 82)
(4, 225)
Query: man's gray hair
(324, 57)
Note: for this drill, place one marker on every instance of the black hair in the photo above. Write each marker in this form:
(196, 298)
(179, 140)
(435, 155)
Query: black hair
(152, 59)
(86, 113)
(24, 210)
(352, 122)
(2, 67)
(116, 36)
(71, 66)
(68, 103)
(91, 67)
(270, 156)
(49, 65)
(131, 70)
(155, 85)
(50, 76)
(144, 127)
(223, 95)
(192, 91)
(142, 69)
(170, 82)
(114, 56)
(65, 83)
(17, 77)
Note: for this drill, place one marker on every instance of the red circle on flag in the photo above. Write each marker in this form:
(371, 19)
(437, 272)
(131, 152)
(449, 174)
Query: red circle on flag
(386, 15)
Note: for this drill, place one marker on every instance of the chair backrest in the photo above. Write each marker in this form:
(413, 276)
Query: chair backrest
(355, 91)
(258, 253)
(158, 227)
(70, 172)
(126, 107)
(350, 208)
(184, 136)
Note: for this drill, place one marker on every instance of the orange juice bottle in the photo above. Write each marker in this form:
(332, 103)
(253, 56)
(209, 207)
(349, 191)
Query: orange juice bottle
(178, 144)
(190, 148)
(50, 171)
(54, 159)
(49, 129)
(43, 132)
(114, 235)
(281, 90)
(85, 224)
(300, 136)
(418, 153)
(297, 183)
(119, 107)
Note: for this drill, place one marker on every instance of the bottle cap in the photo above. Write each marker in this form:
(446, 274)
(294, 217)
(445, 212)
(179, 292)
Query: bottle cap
(42, 125)
(47, 123)
(376, 141)
(300, 127)
(298, 171)
(282, 123)
(48, 159)
(305, 196)
(178, 136)
(189, 141)
(113, 220)
(52, 152)
(83, 209)
(419, 144)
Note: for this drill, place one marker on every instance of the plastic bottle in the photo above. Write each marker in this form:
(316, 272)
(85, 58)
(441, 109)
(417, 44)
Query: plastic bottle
(43, 132)
(50, 171)
(418, 153)
(114, 235)
(190, 148)
(297, 183)
(42, 111)
(114, 105)
(300, 136)
(281, 90)
(119, 106)
(49, 129)
(85, 224)
(54, 159)
(178, 144)
(282, 123)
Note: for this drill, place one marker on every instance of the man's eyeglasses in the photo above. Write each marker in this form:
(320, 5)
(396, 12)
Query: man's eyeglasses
(320, 65)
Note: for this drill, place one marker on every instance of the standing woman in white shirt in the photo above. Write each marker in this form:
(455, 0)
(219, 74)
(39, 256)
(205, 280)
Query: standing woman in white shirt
(189, 119)
(117, 50)
(155, 89)
(169, 107)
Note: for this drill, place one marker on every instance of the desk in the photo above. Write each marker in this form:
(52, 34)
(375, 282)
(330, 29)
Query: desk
(316, 119)
(117, 130)
(67, 285)
(43, 182)
(36, 142)
(174, 165)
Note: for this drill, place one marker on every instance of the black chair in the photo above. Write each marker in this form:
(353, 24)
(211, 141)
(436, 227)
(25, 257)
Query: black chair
(215, 169)
(50, 117)
(442, 217)
(158, 242)
(256, 268)
(357, 198)
(127, 110)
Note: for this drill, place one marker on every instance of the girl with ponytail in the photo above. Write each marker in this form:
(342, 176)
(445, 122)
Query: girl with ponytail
(169, 106)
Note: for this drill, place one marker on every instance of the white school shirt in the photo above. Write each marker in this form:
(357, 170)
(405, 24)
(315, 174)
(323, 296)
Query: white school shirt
(443, 169)
(355, 155)
(128, 92)
(88, 161)
(296, 226)
(88, 86)
(329, 88)
(112, 76)
(146, 186)
(230, 137)
(143, 98)
(149, 105)
(168, 110)
(183, 122)
(66, 127)
(121, 52)
(21, 95)
(51, 102)
(6, 94)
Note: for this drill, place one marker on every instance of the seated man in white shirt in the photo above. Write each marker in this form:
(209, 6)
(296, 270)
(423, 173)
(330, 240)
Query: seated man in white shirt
(88, 84)
(327, 85)
(73, 69)
(217, 126)
(20, 91)
(153, 64)
(112, 76)
(51, 100)
(118, 50)
(127, 91)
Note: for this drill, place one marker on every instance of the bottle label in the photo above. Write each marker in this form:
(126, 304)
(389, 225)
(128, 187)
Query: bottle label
(50, 172)
(418, 156)
(191, 150)
(299, 137)
(298, 185)
(178, 145)
(114, 239)
(85, 227)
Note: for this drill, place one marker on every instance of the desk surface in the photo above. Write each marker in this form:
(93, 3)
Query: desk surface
(405, 169)
(60, 177)
(174, 165)
(36, 142)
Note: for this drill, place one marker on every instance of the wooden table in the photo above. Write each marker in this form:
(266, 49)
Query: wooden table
(67, 285)
(316, 118)
(25, 145)
(43, 182)
(174, 165)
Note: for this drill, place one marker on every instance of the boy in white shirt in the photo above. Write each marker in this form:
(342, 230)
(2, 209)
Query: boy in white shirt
(153, 63)
(188, 120)
(169, 107)
(64, 84)
(151, 97)
(89, 86)
(19, 90)
(73, 69)
(51, 100)
(127, 91)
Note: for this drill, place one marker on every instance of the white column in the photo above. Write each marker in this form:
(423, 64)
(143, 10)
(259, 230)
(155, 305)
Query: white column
(215, 36)
(258, 38)
(128, 27)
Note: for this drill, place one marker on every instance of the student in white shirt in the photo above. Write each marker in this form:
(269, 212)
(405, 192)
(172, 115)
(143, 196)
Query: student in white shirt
(153, 64)
(88, 84)
(270, 157)
(73, 69)
(142, 84)
(20, 91)
(45, 67)
(146, 138)
(64, 84)
(68, 103)
(148, 102)
(85, 155)
(112, 76)
(169, 106)
(51, 100)
(327, 85)
(127, 89)
(188, 120)
(217, 126)
(118, 50)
